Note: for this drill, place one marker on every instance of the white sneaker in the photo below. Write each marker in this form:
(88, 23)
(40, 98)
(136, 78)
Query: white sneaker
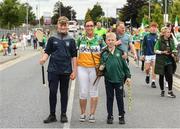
(82, 118)
(91, 118)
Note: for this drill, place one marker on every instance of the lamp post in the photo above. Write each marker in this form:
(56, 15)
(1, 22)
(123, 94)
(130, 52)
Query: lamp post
(71, 14)
(27, 13)
(59, 8)
(165, 11)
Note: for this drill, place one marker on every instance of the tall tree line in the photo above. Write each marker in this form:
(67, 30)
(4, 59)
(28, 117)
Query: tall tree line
(137, 10)
(13, 13)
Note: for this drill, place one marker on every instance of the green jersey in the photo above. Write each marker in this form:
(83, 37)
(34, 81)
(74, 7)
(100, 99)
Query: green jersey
(100, 32)
(116, 68)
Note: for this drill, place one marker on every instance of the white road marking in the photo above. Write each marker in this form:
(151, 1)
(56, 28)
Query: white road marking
(70, 105)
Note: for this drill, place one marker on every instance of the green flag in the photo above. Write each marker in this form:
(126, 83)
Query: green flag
(176, 22)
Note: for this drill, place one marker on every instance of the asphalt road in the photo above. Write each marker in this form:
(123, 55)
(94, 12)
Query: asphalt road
(24, 102)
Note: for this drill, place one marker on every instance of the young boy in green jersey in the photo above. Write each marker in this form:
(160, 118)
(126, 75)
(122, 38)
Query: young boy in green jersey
(115, 70)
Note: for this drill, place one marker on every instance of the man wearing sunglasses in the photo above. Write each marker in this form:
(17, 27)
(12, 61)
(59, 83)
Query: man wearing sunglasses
(62, 67)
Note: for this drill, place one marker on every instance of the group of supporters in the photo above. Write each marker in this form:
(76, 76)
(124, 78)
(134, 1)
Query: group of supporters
(158, 51)
(13, 41)
(96, 46)
(39, 38)
(8, 42)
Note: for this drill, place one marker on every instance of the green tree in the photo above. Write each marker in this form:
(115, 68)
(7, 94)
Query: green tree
(130, 11)
(143, 14)
(64, 10)
(96, 12)
(157, 14)
(88, 16)
(23, 14)
(175, 10)
(13, 14)
(9, 13)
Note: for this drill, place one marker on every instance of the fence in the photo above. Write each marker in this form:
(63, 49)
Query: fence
(21, 30)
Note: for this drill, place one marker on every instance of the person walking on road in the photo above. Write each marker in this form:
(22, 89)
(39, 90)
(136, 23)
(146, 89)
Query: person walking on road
(137, 44)
(148, 53)
(90, 46)
(14, 43)
(165, 65)
(24, 41)
(62, 67)
(9, 38)
(4, 42)
(99, 30)
(115, 71)
(124, 40)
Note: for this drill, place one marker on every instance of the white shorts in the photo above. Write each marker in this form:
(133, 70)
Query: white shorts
(149, 59)
(86, 77)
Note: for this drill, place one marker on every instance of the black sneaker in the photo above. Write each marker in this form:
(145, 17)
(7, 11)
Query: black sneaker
(162, 93)
(153, 85)
(51, 118)
(110, 120)
(147, 79)
(64, 118)
(121, 120)
(171, 94)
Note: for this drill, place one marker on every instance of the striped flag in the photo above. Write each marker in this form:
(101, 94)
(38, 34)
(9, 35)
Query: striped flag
(176, 22)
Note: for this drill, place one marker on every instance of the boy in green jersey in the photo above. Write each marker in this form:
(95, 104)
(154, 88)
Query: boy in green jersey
(115, 70)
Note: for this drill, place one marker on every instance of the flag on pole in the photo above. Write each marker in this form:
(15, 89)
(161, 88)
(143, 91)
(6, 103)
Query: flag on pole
(142, 26)
(176, 22)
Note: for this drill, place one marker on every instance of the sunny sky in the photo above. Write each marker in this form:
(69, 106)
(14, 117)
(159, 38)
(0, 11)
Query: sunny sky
(80, 6)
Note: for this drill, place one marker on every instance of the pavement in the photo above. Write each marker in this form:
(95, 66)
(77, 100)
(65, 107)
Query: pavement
(20, 53)
(177, 74)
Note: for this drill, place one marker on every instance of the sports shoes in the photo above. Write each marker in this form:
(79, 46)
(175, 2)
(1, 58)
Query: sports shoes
(91, 118)
(121, 120)
(171, 94)
(64, 118)
(153, 85)
(110, 120)
(82, 118)
(147, 79)
(162, 93)
(51, 118)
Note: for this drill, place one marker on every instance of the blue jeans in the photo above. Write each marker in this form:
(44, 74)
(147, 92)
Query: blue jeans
(118, 89)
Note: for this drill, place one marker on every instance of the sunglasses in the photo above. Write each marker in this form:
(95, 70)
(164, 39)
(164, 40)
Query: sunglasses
(89, 25)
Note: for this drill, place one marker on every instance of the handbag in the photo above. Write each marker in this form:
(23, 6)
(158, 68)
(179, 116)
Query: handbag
(100, 67)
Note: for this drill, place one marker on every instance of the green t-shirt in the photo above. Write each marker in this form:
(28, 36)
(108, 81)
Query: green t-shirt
(116, 68)
(100, 32)
(44, 39)
(136, 38)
